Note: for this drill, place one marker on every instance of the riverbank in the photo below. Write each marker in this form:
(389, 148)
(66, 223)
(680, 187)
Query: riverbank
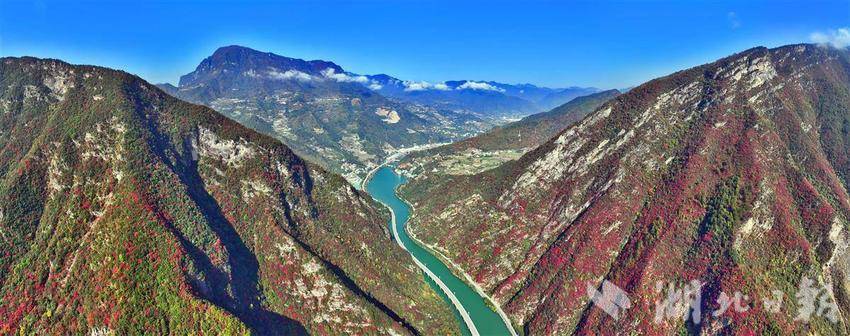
(459, 271)
(400, 153)
(473, 293)
(448, 292)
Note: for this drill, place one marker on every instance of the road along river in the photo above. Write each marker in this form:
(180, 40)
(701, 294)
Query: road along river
(470, 306)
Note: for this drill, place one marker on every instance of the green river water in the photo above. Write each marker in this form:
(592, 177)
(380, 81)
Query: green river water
(484, 320)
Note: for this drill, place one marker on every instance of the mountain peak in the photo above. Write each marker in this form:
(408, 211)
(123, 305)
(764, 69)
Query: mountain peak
(234, 55)
(236, 61)
(234, 48)
(242, 53)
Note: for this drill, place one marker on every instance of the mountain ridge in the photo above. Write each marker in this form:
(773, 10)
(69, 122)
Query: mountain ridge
(510, 99)
(730, 173)
(120, 201)
(324, 113)
(498, 145)
(347, 122)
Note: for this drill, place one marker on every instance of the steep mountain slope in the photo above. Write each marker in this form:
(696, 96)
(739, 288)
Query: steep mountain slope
(321, 111)
(733, 174)
(124, 209)
(496, 146)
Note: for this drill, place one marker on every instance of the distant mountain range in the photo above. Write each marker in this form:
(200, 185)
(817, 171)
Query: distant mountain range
(534, 130)
(321, 111)
(484, 97)
(124, 210)
(730, 178)
(481, 97)
(349, 122)
(502, 143)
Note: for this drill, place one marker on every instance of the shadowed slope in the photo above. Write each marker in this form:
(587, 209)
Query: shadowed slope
(127, 210)
(731, 174)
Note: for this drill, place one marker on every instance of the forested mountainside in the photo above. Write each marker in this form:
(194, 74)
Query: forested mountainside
(324, 113)
(730, 177)
(123, 209)
(501, 144)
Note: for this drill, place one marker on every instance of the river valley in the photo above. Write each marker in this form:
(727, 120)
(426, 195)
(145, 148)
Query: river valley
(478, 318)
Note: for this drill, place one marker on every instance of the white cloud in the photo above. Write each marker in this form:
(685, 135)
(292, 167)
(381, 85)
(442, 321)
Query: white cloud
(420, 86)
(734, 22)
(468, 85)
(838, 38)
(416, 86)
(344, 77)
(290, 74)
(479, 86)
(330, 73)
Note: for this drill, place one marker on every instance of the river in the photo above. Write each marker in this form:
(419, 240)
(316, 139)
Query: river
(470, 308)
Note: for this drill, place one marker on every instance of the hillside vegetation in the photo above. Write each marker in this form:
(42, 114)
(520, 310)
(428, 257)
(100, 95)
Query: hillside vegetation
(733, 174)
(125, 210)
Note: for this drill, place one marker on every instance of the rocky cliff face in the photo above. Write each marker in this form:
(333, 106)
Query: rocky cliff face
(124, 209)
(333, 117)
(732, 174)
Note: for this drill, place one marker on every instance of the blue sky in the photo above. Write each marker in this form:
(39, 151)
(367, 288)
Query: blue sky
(613, 44)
